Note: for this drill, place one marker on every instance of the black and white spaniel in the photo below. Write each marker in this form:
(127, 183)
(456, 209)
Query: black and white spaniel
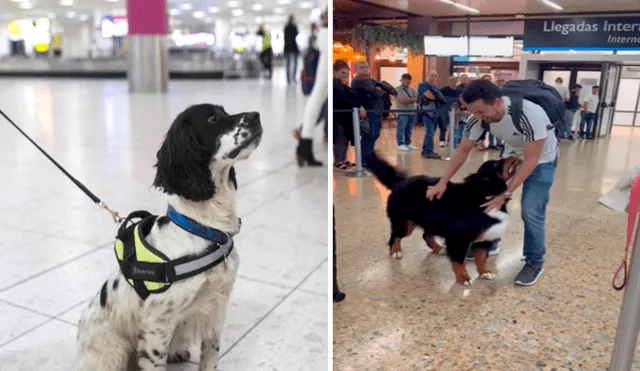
(195, 170)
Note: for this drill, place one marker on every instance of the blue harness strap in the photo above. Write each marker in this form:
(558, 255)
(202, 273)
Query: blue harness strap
(196, 228)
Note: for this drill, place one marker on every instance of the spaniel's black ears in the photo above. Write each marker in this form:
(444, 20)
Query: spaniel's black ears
(183, 163)
(232, 177)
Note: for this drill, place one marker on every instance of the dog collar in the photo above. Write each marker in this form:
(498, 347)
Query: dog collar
(198, 229)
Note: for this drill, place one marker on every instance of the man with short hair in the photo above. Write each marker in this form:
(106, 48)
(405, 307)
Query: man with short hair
(590, 106)
(371, 98)
(406, 100)
(429, 99)
(533, 140)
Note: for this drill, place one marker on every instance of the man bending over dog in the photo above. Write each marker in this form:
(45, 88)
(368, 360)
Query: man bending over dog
(533, 140)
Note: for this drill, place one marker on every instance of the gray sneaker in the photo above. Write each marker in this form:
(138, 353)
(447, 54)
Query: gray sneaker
(529, 274)
(431, 155)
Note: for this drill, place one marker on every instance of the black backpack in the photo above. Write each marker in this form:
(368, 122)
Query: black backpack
(537, 92)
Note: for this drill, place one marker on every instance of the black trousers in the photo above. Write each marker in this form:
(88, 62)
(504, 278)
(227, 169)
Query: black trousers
(266, 57)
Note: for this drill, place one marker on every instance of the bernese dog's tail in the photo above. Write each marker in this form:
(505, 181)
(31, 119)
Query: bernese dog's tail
(386, 174)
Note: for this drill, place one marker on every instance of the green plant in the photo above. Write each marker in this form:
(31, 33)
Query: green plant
(387, 36)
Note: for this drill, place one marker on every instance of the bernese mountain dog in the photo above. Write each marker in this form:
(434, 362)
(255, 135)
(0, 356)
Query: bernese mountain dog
(457, 216)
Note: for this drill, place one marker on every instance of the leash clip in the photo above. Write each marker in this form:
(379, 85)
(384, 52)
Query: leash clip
(114, 214)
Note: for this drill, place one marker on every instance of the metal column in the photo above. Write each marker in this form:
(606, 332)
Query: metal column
(148, 70)
(629, 320)
(360, 172)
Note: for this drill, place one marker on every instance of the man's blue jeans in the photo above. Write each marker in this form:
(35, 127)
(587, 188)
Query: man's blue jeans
(430, 125)
(535, 196)
(369, 141)
(588, 118)
(291, 60)
(404, 129)
(566, 131)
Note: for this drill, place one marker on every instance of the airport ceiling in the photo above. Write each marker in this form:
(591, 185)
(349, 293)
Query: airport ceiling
(379, 9)
(188, 11)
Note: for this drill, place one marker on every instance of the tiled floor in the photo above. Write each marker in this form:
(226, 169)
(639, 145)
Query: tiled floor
(410, 314)
(56, 246)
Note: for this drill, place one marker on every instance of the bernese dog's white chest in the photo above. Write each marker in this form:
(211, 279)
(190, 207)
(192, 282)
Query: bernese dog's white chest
(497, 230)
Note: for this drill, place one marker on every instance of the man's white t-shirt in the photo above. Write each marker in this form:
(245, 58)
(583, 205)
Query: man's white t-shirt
(592, 102)
(563, 90)
(534, 125)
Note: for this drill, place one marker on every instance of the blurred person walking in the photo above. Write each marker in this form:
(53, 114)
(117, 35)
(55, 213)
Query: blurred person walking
(291, 51)
(266, 56)
(315, 110)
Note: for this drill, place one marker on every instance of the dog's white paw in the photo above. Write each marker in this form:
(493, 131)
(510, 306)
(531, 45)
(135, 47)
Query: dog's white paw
(488, 276)
(443, 251)
(397, 255)
(467, 282)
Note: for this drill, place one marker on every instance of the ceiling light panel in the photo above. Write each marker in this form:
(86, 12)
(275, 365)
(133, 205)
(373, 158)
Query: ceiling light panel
(257, 7)
(214, 9)
(552, 5)
(233, 4)
(306, 5)
(237, 12)
(198, 15)
(66, 2)
(186, 6)
(460, 6)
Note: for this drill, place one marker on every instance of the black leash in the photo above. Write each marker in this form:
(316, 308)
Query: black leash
(114, 214)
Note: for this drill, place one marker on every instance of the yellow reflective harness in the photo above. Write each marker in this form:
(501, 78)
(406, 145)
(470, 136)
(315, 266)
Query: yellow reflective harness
(148, 270)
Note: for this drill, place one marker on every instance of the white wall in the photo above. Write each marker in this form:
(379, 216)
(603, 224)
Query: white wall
(76, 40)
(4, 39)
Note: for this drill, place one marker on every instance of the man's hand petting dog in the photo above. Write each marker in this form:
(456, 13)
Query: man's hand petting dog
(494, 203)
(436, 191)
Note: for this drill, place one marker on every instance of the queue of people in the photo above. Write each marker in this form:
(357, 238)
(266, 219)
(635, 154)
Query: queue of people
(430, 106)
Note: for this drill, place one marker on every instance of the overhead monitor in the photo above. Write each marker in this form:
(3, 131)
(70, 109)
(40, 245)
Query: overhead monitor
(460, 46)
(491, 46)
(445, 46)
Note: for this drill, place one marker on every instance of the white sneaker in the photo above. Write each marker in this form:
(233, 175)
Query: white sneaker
(411, 147)
(403, 148)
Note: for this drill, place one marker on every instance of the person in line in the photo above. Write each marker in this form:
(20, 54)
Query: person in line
(430, 99)
(266, 56)
(371, 98)
(291, 51)
(450, 93)
(590, 106)
(535, 144)
(405, 100)
(316, 107)
(571, 107)
(343, 98)
(462, 119)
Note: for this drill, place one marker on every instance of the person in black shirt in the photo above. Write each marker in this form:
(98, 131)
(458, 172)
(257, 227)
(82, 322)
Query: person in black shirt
(343, 98)
(571, 107)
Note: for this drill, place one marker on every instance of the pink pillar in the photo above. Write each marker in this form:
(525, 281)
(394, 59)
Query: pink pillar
(148, 70)
(147, 17)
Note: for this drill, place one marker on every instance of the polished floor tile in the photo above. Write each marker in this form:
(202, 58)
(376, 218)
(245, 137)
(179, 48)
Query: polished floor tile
(410, 314)
(57, 245)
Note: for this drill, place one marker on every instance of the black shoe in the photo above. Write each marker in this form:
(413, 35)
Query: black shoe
(304, 154)
(529, 274)
(339, 296)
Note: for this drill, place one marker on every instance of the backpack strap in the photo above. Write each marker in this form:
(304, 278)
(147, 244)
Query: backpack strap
(516, 112)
